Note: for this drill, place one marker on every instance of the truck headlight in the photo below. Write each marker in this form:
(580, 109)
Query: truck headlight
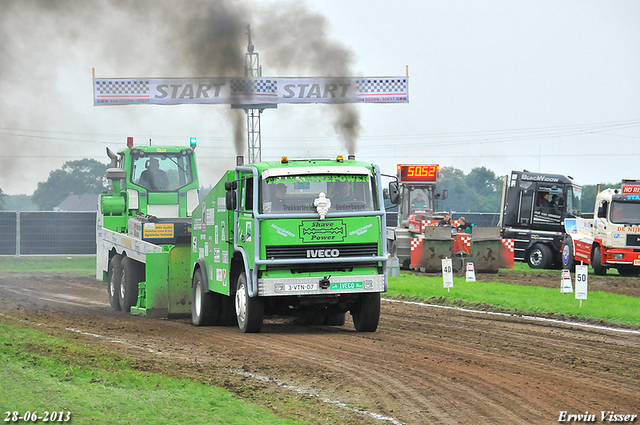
(618, 256)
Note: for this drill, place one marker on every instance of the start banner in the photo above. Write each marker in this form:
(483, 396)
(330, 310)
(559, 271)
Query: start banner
(249, 91)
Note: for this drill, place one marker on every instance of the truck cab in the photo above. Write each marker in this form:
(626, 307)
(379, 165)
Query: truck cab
(612, 238)
(534, 213)
(300, 238)
(160, 181)
(146, 218)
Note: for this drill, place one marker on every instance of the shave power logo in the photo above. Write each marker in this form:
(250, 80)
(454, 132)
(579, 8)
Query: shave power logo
(322, 231)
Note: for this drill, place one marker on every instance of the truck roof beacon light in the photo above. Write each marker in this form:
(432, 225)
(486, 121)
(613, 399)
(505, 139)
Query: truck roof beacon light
(129, 142)
(193, 142)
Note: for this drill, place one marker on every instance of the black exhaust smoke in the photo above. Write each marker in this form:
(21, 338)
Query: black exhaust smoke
(41, 39)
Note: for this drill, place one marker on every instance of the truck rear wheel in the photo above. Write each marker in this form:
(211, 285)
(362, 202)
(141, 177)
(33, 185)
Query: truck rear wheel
(203, 308)
(249, 311)
(596, 262)
(113, 284)
(568, 260)
(130, 276)
(366, 313)
(539, 257)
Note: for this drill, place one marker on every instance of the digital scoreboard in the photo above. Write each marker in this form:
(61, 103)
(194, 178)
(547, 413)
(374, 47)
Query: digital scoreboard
(418, 173)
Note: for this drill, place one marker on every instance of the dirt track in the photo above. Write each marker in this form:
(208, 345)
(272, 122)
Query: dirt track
(424, 364)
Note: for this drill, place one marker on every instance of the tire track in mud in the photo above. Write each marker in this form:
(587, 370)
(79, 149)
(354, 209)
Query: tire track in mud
(424, 365)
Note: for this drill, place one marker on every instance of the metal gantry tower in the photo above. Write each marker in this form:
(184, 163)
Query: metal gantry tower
(252, 69)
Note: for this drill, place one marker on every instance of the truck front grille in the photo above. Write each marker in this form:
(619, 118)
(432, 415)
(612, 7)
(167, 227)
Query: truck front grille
(319, 251)
(311, 251)
(633, 240)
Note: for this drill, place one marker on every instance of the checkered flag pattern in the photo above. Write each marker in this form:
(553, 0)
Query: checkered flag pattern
(257, 86)
(122, 87)
(509, 244)
(382, 85)
(429, 223)
(466, 240)
(416, 242)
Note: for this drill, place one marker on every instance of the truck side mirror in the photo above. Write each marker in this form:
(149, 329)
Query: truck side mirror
(230, 200)
(114, 173)
(602, 210)
(394, 193)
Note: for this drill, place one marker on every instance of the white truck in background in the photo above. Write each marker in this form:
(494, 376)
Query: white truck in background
(612, 238)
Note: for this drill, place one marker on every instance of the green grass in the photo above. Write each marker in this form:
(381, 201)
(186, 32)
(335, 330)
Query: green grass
(43, 373)
(600, 306)
(78, 265)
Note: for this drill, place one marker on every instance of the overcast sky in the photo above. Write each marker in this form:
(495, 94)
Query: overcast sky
(545, 85)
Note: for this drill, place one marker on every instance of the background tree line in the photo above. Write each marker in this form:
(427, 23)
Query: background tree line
(81, 177)
(478, 191)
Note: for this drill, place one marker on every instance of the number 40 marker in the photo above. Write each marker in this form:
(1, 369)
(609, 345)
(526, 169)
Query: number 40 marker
(447, 273)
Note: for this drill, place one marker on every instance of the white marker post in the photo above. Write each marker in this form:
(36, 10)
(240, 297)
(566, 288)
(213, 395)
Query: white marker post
(471, 273)
(447, 273)
(565, 284)
(582, 278)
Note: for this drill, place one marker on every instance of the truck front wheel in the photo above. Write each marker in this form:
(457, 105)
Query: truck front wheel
(539, 257)
(366, 313)
(596, 262)
(130, 276)
(113, 285)
(568, 260)
(249, 311)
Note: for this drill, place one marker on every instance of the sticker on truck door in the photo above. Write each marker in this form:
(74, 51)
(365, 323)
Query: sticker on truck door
(248, 231)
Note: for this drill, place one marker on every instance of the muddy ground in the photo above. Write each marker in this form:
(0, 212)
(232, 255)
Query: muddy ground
(424, 365)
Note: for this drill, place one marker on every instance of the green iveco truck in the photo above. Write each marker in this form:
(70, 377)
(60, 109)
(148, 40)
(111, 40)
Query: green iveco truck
(287, 238)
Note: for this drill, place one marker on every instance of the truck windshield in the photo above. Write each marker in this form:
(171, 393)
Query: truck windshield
(419, 201)
(574, 201)
(296, 194)
(166, 172)
(625, 212)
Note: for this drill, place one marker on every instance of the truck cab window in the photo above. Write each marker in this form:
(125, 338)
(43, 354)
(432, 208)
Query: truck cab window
(166, 172)
(248, 194)
(296, 194)
(626, 212)
(419, 201)
(574, 201)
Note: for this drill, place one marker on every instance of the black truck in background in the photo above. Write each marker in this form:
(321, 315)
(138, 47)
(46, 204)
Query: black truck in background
(534, 210)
